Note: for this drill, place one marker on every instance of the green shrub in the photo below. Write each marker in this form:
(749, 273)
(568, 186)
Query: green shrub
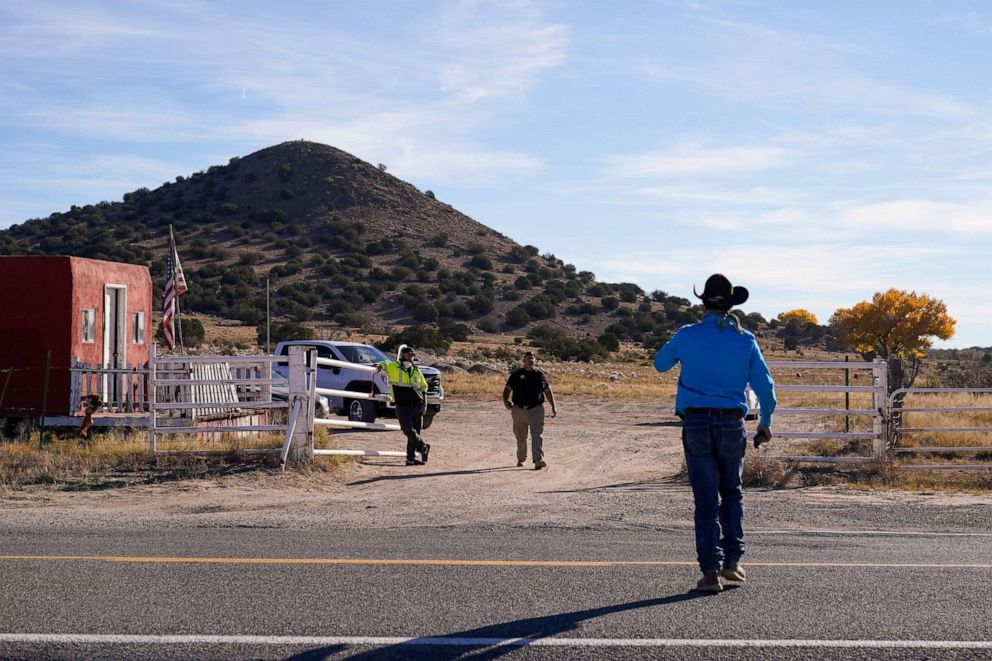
(452, 330)
(400, 274)
(418, 337)
(517, 317)
(248, 314)
(425, 311)
(488, 325)
(517, 254)
(271, 216)
(560, 345)
(481, 262)
(599, 289)
(610, 341)
(482, 304)
(284, 331)
(190, 330)
(629, 292)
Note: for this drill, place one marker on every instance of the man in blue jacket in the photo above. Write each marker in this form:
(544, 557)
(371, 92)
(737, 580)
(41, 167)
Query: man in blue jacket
(718, 359)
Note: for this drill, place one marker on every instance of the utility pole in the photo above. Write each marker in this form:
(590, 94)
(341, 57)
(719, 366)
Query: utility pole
(268, 318)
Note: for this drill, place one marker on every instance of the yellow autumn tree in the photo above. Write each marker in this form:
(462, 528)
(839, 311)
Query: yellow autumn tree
(897, 326)
(802, 316)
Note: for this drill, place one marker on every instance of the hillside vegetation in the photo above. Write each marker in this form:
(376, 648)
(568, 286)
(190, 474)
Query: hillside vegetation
(344, 244)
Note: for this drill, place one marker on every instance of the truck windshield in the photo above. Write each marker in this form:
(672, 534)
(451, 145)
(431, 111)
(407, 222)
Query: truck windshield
(363, 355)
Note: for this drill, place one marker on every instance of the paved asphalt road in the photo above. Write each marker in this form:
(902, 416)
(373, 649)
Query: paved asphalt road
(571, 593)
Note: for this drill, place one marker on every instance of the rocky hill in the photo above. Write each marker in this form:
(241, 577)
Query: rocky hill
(343, 243)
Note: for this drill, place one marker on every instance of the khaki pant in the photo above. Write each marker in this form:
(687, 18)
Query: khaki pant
(532, 419)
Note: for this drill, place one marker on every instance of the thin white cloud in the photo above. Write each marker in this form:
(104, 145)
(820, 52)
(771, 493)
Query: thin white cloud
(78, 180)
(972, 21)
(694, 160)
(921, 215)
(37, 30)
(416, 103)
(819, 277)
(837, 268)
(741, 195)
(499, 61)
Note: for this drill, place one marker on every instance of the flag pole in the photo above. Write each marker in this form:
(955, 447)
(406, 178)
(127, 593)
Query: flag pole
(179, 324)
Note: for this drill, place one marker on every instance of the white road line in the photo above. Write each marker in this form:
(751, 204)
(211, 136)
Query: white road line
(890, 533)
(127, 639)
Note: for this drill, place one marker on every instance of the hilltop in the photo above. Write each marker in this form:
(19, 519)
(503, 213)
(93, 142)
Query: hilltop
(345, 244)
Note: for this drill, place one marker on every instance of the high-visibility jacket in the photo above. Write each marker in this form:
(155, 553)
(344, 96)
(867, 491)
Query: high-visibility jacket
(401, 378)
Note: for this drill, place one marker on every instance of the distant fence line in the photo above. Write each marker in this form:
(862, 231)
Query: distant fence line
(216, 394)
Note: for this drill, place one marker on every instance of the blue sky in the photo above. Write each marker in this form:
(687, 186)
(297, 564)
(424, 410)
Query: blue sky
(815, 152)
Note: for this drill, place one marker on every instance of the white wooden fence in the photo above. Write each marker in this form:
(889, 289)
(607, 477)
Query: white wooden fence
(180, 393)
(901, 432)
(120, 389)
(186, 391)
(877, 412)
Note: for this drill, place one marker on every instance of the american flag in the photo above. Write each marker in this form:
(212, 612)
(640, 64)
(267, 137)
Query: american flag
(175, 286)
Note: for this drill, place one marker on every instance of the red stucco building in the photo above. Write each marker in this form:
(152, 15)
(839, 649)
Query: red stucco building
(97, 312)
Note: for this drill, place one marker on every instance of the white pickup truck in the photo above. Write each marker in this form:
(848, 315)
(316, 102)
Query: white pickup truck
(338, 378)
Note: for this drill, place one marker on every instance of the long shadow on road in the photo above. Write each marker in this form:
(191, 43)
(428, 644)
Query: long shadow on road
(668, 483)
(414, 476)
(485, 642)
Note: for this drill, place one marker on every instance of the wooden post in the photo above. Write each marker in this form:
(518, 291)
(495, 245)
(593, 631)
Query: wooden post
(6, 382)
(880, 400)
(847, 396)
(301, 445)
(151, 399)
(44, 399)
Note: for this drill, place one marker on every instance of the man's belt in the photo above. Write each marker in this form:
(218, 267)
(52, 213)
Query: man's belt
(533, 406)
(720, 413)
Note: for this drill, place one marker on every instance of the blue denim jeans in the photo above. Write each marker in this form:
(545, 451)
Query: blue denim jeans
(714, 457)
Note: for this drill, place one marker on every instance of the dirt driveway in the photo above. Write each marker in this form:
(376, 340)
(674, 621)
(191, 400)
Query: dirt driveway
(611, 465)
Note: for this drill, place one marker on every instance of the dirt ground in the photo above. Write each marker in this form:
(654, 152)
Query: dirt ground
(611, 465)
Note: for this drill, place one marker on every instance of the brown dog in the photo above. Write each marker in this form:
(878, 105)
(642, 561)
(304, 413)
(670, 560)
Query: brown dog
(91, 404)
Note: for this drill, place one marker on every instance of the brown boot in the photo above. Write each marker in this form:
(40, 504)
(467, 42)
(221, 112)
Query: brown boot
(709, 583)
(734, 574)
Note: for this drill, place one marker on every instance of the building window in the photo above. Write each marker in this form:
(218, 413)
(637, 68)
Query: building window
(139, 328)
(89, 325)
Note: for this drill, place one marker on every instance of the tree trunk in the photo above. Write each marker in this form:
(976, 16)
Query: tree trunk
(897, 376)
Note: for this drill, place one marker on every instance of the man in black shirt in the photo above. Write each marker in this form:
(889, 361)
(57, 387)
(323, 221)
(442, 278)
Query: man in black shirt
(529, 388)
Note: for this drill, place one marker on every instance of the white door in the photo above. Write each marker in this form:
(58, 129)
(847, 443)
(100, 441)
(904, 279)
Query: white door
(114, 341)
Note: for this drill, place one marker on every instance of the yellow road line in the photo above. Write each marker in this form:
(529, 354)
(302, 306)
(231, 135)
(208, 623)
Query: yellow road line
(475, 563)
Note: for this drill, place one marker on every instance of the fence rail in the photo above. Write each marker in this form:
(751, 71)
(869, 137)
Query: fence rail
(877, 389)
(901, 431)
(213, 395)
(206, 388)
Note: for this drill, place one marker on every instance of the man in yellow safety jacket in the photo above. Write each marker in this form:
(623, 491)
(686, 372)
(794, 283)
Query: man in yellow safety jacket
(408, 388)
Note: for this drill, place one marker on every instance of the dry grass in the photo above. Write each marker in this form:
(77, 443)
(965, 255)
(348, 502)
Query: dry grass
(606, 381)
(884, 475)
(924, 420)
(118, 459)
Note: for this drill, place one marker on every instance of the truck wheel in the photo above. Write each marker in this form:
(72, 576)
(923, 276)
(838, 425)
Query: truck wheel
(427, 421)
(361, 410)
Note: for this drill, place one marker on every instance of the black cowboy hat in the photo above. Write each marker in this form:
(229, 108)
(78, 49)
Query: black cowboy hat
(719, 294)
